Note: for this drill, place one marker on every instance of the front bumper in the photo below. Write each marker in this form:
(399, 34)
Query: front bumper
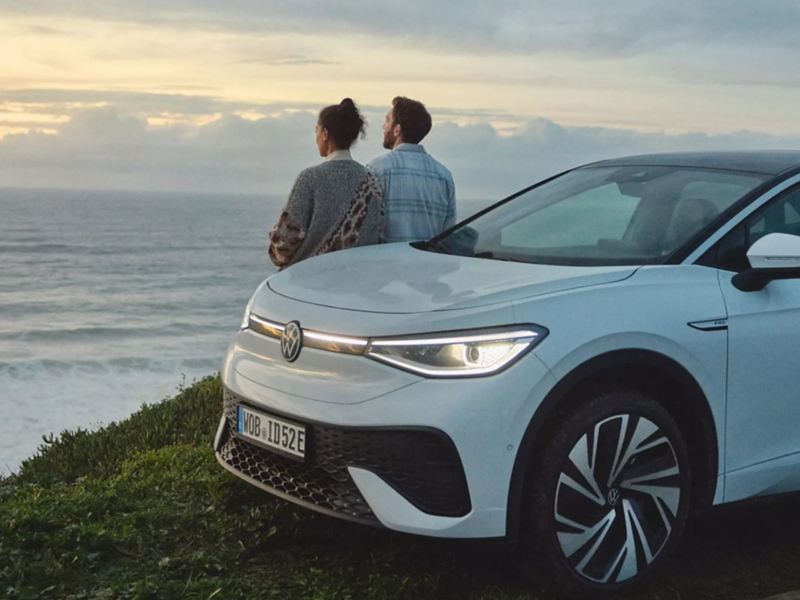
(483, 419)
(421, 465)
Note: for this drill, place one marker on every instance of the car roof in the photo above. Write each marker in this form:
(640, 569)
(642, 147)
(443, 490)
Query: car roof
(767, 162)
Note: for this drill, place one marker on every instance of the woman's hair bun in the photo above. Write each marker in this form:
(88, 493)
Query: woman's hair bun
(343, 122)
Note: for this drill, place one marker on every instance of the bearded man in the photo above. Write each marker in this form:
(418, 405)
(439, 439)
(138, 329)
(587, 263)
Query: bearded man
(418, 191)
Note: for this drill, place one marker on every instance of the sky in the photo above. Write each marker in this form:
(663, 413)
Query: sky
(202, 95)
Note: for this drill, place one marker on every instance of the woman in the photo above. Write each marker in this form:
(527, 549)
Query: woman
(334, 205)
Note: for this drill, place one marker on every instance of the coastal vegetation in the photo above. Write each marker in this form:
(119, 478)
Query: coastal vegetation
(140, 509)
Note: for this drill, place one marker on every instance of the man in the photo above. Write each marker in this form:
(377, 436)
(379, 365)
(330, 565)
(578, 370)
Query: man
(418, 191)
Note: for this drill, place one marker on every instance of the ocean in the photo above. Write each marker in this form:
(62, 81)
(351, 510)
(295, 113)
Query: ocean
(113, 299)
(109, 300)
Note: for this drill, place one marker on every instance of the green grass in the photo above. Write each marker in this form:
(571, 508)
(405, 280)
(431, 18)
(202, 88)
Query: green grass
(140, 509)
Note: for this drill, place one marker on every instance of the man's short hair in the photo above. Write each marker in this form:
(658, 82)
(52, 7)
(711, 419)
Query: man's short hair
(413, 118)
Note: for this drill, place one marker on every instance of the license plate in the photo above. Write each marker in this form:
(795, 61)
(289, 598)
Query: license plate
(271, 432)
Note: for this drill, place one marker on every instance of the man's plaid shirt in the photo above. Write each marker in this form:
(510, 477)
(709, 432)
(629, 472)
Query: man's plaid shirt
(418, 193)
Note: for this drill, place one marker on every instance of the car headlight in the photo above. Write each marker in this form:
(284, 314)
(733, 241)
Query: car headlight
(458, 354)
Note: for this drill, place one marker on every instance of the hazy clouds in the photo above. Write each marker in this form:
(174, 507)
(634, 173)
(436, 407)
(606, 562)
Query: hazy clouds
(201, 94)
(612, 27)
(716, 65)
(720, 41)
(105, 149)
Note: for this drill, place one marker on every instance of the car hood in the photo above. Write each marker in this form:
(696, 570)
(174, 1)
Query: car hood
(398, 278)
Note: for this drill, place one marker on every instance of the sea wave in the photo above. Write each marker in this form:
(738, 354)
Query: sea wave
(109, 300)
(111, 332)
(45, 369)
(49, 402)
(139, 248)
(51, 248)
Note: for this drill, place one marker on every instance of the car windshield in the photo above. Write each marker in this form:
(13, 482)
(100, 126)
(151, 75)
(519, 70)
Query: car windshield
(602, 216)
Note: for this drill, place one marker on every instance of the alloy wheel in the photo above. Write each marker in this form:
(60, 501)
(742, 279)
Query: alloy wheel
(617, 499)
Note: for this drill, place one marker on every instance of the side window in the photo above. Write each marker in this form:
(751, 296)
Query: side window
(780, 216)
(793, 212)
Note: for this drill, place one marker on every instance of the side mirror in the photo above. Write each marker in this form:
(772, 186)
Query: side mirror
(774, 256)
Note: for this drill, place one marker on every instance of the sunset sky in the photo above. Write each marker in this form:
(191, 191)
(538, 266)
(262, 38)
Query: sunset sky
(222, 96)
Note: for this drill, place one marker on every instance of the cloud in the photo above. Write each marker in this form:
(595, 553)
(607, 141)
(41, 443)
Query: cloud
(142, 103)
(489, 165)
(44, 31)
(586, 27)
(108, 149)
(289, 60)
(638, 44)
(716, 65)
(104, 149)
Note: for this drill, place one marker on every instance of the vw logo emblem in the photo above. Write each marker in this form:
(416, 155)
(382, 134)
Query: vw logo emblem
(613, 497)
(291, 341)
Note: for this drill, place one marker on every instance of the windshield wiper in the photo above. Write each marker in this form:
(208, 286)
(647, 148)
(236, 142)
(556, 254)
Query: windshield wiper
(493, 256)
(426, 245)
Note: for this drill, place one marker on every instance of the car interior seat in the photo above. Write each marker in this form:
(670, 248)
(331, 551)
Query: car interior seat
(690, 215)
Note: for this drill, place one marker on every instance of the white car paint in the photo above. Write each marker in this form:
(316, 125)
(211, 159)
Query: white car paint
(745, 363)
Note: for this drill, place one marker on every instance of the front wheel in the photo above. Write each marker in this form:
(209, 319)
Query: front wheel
(608, 497)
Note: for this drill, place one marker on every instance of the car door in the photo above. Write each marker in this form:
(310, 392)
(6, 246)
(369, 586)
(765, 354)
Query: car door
(763, 402)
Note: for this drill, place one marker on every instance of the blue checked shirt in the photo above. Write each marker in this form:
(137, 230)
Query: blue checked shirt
(418, 192)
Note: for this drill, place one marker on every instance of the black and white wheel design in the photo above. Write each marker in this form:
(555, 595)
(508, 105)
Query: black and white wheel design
(617, 497)
(609, 495)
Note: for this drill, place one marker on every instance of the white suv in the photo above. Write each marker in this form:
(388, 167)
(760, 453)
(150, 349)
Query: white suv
(572, 368)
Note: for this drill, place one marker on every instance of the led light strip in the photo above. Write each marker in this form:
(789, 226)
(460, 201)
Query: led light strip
(465, 339)
(311, 339)
(268, 328)
(353, 345)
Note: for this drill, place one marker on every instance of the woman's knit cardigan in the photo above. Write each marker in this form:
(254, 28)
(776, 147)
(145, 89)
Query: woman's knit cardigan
(332, 206)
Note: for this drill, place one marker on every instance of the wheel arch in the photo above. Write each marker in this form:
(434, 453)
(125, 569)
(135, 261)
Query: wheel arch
(648, 371)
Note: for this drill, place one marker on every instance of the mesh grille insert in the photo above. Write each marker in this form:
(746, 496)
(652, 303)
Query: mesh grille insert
(422, 465)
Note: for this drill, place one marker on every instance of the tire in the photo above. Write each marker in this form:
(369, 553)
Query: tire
(593, 517)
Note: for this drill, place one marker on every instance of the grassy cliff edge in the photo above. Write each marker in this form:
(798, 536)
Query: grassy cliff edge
(140, 509)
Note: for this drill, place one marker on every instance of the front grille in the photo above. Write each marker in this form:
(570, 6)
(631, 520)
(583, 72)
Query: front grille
(422, 465)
